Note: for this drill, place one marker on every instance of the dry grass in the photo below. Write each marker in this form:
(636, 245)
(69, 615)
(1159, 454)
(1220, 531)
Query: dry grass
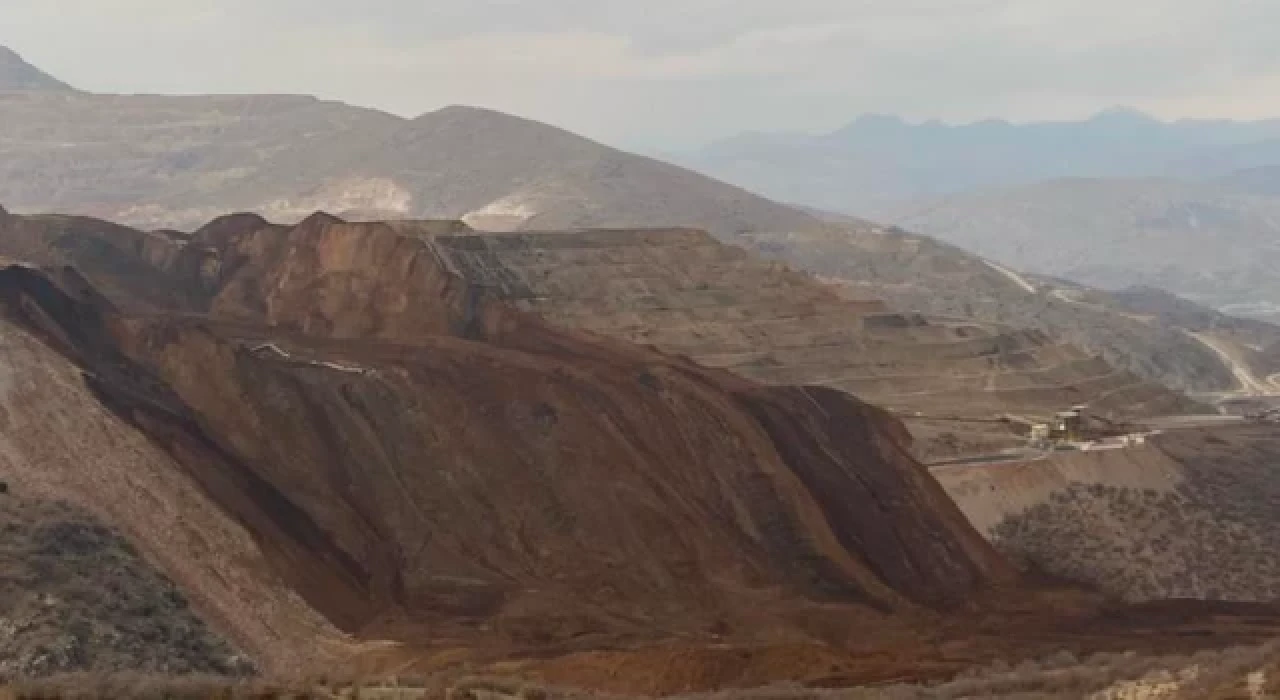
(1220, 675)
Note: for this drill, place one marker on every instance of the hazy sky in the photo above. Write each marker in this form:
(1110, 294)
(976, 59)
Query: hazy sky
(671, 72)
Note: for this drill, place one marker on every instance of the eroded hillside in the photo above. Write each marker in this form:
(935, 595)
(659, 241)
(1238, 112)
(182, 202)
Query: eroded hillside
(353, 446)
(411, 455)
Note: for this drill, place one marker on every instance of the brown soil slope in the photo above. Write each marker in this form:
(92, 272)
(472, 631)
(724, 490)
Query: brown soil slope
(412, 455)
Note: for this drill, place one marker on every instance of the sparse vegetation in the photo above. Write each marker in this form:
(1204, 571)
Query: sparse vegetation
(76, 596)
(1203, 540)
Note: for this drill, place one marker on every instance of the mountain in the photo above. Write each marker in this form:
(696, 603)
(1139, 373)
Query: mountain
(16, 75)
(688, 294)
(176, 162)
(415, 459)
(1211, 243)
(351, 455)
(878, 160)
(1262, 180)
(1226, 161)
(287, 156)
(1116, 200)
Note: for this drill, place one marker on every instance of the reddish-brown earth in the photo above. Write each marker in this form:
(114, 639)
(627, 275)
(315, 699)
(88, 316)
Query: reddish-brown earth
(425, 464)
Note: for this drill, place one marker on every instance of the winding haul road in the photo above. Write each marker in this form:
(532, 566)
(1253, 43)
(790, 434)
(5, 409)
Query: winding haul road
(1013, 276)
(1250, 385)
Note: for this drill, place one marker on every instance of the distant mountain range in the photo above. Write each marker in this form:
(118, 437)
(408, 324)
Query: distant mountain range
(877, 161)
(1203, 241)
(1122, 198)
(1263, 180)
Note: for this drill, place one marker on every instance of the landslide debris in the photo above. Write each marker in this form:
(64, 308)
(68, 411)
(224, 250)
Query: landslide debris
(454, 482)
(422, 462)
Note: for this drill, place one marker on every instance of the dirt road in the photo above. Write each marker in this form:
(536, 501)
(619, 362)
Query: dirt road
(1250, 385)
(1013, 276)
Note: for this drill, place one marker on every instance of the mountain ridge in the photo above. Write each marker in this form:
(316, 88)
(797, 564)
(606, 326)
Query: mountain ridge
(878, 160)
(18, 75)
(288, 156)
(1210, 242)
(503, 514)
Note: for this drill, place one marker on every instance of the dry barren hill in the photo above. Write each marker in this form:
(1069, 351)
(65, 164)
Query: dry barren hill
(161, 161)
(502, 172)
(347, 450)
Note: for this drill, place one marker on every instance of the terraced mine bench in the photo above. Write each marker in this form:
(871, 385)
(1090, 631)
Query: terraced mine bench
(687, 293)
